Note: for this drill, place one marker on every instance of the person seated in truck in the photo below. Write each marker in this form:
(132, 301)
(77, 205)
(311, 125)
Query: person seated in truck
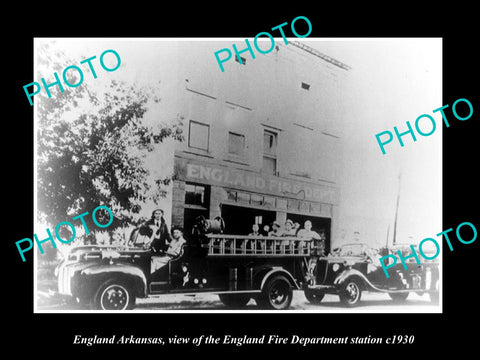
(250, 244)
(275, 229)
(276, 232)
(308, 234)
(173, 250)
(290, 232)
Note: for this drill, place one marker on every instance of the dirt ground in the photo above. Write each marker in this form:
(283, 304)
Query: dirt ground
(49, 300)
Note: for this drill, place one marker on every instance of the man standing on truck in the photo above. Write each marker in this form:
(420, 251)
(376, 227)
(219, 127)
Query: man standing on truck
(160, 236)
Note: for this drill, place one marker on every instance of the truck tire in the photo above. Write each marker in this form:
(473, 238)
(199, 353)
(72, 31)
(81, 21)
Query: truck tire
(114, 294)
(277, 294)
(234, 301)
(350, 292)
(314, 296)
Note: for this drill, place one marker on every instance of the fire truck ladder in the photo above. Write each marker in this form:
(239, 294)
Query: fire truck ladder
(257, 245)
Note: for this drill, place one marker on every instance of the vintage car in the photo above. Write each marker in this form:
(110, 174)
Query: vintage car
(354, 268)
(237, 268)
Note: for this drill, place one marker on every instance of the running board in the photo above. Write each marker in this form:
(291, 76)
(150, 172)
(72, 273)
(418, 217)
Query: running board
(371, 286)
(208, 292)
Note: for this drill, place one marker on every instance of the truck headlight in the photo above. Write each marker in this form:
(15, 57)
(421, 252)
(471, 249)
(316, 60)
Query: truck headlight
(335, 267)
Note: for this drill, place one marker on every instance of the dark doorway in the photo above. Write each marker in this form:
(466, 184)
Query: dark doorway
(320, 225)
(239, 220)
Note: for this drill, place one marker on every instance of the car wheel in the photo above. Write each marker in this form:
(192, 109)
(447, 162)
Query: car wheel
(350, 292)
(114, 295)
(234, 300)
(314, 296)
(277, 294)
(398, 296)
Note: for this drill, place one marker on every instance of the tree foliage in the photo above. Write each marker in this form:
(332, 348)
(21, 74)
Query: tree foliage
(92, 144)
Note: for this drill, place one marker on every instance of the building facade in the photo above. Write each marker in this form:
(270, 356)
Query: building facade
(262, 139)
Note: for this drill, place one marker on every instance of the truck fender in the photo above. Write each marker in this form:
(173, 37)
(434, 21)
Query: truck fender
(127, 271)
(275, 271)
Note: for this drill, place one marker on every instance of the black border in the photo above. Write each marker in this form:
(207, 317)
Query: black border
(433, 332)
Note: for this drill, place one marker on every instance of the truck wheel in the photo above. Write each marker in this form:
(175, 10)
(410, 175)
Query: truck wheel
(314, 296)
(114, 295)
(234, 300)
(398, 296)
(276, 294)
(350, 292)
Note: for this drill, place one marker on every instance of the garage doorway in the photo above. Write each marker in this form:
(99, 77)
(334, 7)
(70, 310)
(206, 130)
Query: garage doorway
(239, 220)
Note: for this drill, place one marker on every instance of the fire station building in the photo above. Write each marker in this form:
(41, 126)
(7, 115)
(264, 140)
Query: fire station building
(262, 139)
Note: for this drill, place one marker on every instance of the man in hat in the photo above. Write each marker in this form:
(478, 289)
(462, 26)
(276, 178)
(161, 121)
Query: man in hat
(275, 229)
(275, 232)
(290, 232)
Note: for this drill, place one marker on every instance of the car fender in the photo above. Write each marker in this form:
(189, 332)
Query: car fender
(278, 270)
(128, 271)
(344, 275)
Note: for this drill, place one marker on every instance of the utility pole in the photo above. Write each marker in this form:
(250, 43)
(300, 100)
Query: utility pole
(396, 210)
(388, 233)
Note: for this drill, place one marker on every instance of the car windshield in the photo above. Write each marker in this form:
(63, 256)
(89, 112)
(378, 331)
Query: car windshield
(352, 250)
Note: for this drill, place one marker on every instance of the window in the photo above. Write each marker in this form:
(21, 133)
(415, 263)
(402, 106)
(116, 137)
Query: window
(270, 152)
(196, 195)
(243, 197)
(231, 195)
(198, 135)
(305, 86)
(244, 61)
(270, 165)
(256, 199)
(236, 144)
(270, 142)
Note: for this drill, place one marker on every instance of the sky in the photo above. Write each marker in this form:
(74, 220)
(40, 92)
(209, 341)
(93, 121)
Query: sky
(391, 81)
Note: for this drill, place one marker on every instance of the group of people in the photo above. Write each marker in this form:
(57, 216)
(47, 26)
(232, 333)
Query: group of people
(166, 245)
(290, 229)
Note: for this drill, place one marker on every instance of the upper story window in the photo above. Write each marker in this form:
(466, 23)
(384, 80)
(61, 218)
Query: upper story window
(305, 86)
(236, 144)
(244, 61)
(198, 135)
(269, 142)
(270, 152)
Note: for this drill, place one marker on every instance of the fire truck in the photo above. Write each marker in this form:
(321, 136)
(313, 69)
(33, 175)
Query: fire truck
(236, 267)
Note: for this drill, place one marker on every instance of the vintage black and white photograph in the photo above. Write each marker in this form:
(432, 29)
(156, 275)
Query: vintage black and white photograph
(233, 175)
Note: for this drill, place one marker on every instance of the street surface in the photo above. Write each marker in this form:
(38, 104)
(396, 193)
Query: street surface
(375, 302)
(371, 302)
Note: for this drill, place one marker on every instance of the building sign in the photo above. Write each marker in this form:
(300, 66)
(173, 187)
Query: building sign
(263, 183)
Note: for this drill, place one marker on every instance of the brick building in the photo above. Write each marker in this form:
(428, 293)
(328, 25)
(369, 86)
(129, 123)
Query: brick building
(262, 139)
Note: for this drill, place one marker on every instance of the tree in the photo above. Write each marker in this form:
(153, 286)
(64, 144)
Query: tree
(91, 147)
